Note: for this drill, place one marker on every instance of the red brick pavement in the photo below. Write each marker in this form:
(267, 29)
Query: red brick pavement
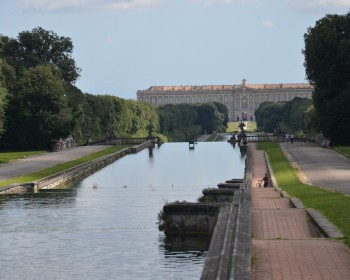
(285, 244)
(265, 192)
(282, 223)
(312, 259)
(271, 203)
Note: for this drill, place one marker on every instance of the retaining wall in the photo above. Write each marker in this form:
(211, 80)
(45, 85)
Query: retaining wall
(72, 174)
(226, 213)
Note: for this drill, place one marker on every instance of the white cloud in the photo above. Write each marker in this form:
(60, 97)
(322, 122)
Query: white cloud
(131, 4)
(268, 23)
(49, 5)
(220, 2)
(109, 40)
(79, 5)
(110, 5)
(320, 5)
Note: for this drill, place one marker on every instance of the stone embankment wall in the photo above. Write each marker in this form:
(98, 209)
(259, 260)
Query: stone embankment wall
(72, 174)
(226, 214)
(18, 188)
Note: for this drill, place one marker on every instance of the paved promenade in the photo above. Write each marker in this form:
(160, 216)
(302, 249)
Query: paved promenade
(36, 163)
(320, 166)
(285, 244)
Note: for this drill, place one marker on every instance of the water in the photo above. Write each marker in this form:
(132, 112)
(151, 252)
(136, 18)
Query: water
(109, 231)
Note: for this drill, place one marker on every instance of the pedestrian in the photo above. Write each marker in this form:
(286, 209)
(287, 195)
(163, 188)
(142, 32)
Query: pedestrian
(287, 137)
(266, 180)
(291, 138)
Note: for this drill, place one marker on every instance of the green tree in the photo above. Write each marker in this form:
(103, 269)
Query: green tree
(38, 111)
(3, 98)
(178, 122)
(269, 115)
(223, 110)
(40, 47)
(294, 113)
(209, 118)
(327, 63)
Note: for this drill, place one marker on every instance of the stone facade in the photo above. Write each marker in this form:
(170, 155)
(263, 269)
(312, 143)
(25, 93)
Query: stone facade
(241, 100)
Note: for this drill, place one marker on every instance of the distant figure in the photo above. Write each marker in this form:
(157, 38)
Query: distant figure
(291, 138)
(287, 137)
(266, 180)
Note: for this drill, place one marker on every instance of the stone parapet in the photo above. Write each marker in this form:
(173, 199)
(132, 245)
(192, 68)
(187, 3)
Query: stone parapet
(190, 218)
(72, 174)
(17, 188)
(219, 195)
(229, 186)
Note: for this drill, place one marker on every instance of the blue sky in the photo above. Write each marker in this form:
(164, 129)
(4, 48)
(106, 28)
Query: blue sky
(126, 45)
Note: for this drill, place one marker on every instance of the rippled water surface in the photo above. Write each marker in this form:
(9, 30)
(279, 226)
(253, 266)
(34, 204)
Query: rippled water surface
(109, 231)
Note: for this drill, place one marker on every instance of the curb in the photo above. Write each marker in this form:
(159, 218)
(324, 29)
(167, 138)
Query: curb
(326, 228)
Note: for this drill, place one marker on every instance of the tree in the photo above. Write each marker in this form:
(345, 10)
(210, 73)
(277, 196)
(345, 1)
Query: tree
(223, 110)
(294, 113)
(38, 111)
(327, 63)
(209, 118)
(269, 115)
(3, 98)
(40, 47)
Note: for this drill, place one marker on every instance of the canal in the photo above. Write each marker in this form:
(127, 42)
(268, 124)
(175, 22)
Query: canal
(105, 226)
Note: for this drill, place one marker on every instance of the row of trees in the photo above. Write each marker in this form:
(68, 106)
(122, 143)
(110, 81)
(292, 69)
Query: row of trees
(184, 121)
(327, 64)
(293, 116)
(40, 102)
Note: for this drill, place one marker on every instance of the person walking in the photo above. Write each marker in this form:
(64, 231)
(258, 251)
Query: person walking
(266, 180)
(291, 138)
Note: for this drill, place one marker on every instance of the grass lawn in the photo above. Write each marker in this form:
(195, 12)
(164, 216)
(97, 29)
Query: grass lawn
(335, 206)
(6, 157)
(344, 150)
(233, 127)
(211, 138)
(61, 167)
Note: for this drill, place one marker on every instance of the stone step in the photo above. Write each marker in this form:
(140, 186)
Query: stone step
(271, 203)
(282, 224)
(265, 192)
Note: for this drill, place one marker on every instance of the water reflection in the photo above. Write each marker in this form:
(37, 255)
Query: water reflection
(173, 244)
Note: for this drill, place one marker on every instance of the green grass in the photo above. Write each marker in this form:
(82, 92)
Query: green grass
(6, 157)
(233, 127)
(61, 167)
(335, 206)
(344, 150)
(211, 138)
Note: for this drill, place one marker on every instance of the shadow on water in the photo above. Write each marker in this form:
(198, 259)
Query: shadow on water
(46, 198)
(190, 247)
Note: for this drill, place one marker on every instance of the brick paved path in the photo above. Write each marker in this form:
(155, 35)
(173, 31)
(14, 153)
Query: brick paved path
(285, 244)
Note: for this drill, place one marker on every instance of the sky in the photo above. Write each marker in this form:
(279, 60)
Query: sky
(127, 45)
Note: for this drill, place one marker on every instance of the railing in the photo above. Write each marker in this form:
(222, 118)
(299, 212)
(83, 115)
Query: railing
(265, 138)
(271, 138)
(122, 141)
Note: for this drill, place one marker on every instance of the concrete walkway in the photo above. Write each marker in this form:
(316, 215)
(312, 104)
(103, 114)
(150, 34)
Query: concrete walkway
(36, 163)
(285, 244)
(320, 166)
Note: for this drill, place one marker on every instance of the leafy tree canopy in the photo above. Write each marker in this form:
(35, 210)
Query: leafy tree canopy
(327, 63)
(37, 47)
(184, 122)
(38, 111)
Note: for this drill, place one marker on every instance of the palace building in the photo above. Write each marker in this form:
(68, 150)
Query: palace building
(241, 100)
